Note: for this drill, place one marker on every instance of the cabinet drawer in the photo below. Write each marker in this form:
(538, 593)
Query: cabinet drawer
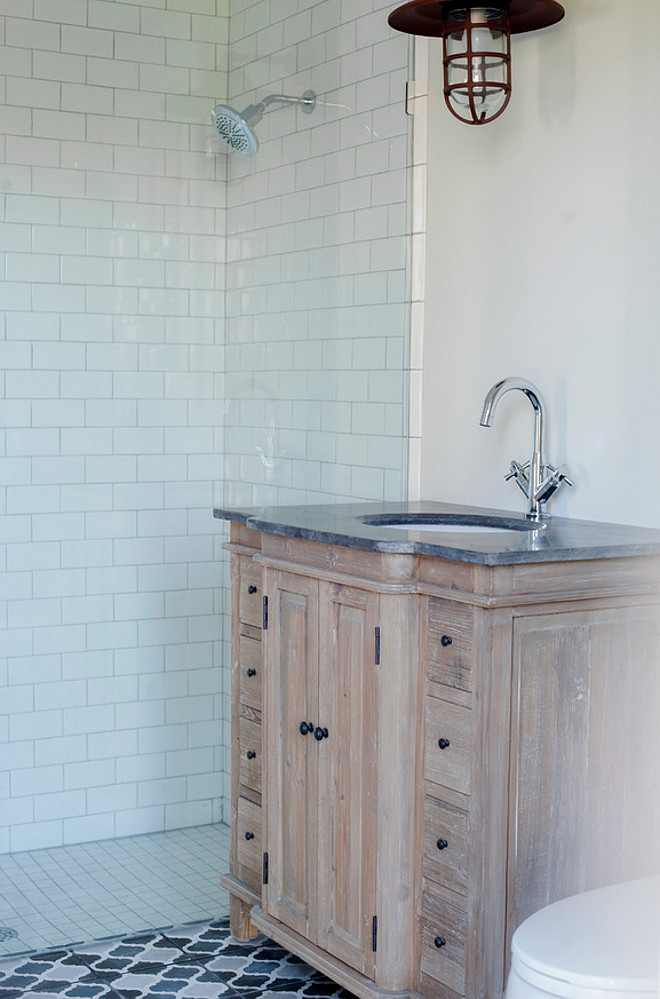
(250, 654)
(443, 942)
(445, 845)
(250, 740)
(449, 647)
(447, 744)
(249, 843)
(250, 597)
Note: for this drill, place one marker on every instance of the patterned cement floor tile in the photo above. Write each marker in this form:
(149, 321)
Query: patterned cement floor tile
(179, 981)
(319, 987)
(254, 966)
(260, 965)
(125, 955)
(77, 990)
(197, 961)
(202, 940)
(41, 972)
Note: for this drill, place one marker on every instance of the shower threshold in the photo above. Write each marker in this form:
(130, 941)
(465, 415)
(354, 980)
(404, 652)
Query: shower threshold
(96, 891)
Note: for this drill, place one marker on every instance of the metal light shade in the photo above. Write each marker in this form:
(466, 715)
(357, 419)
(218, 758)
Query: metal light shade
(476, 47)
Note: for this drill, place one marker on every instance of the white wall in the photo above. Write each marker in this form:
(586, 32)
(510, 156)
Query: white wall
(544, 254)
(318, 223)
(111, 201)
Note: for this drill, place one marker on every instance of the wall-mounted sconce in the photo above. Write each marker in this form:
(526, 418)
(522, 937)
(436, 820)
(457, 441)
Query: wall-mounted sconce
(476, 47)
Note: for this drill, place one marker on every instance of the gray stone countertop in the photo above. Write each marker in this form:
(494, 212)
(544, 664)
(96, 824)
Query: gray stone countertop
(351, 525)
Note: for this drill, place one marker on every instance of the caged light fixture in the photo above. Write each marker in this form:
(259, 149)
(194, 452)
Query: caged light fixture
(476, 47)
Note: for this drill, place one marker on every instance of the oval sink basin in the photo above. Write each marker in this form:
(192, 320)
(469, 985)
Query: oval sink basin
(451, 523)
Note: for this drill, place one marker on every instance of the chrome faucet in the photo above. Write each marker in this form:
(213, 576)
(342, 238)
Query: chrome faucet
(537, 479)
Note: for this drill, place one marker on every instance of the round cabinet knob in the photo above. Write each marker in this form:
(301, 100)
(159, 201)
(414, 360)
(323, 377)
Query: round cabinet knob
(446, 640)
(249, 836)
(320, 733)
(305, 727)
(252, 588)
(251, 754)
(442, 844)
(251, 672)
(439, 942)
(444, 743)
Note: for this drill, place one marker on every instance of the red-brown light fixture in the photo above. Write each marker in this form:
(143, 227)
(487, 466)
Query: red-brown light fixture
(476, 43)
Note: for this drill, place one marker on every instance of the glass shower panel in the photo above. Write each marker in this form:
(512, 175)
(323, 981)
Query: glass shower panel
(317, 244)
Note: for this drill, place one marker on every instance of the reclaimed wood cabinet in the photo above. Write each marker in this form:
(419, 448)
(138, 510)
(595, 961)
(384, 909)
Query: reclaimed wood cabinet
(440, 748)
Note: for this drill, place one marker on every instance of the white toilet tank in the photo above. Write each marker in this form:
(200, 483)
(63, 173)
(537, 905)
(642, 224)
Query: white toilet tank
(602, 944)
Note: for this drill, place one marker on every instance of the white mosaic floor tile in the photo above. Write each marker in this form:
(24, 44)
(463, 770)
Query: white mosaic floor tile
(72, 895)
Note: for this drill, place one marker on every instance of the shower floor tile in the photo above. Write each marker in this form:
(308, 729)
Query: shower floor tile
(74, 895)
(162, 965)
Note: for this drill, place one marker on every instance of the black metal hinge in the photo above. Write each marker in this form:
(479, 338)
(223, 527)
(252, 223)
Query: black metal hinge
(374, 934)
(265, 613)
(265, 870)
(377, 647)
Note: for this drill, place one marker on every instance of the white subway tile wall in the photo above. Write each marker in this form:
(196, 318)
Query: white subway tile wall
(124, 221)
(112, 193)
(318, 228)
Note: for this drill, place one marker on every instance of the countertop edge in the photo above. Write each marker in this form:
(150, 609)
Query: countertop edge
(315, 530)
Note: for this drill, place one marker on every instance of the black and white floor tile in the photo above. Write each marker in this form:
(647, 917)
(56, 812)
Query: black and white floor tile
(199, 961)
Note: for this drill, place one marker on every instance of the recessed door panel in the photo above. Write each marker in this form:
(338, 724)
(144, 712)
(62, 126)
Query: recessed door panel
(291, 760)
(347, 784)
(585, 793)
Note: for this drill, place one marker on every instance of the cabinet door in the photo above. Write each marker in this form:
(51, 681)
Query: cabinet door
(347, 810)
(586, 740)
(290, 760)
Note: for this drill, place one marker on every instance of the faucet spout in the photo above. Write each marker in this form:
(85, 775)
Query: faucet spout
(506, 385)
(530, 476)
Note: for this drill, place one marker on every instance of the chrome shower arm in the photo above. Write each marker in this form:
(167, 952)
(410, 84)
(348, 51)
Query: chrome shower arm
(254, 112)
(308, 100)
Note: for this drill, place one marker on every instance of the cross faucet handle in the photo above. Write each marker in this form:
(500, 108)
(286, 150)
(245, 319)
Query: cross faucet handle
(520, 474)
(552, 482)
(516, 471)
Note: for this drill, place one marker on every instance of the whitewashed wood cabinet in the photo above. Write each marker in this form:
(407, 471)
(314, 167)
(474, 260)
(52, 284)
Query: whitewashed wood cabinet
(439, 749)
(320, 749)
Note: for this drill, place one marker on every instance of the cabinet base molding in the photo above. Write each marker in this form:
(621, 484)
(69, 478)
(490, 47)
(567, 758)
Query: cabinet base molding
(241, 902)
(430, 989)
(320, 959)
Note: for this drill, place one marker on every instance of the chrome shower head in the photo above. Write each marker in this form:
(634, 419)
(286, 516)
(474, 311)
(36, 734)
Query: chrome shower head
(237, 129)
(234, 129)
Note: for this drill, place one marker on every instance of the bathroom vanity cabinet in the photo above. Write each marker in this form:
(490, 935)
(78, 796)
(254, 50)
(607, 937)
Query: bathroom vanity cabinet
(427, 750)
